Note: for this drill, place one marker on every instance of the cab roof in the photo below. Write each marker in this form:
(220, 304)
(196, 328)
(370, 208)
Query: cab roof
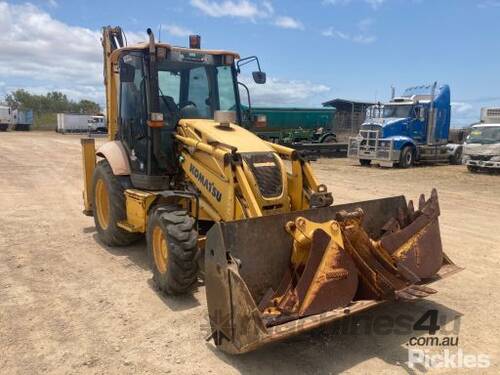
(145, 45)
(486, 125)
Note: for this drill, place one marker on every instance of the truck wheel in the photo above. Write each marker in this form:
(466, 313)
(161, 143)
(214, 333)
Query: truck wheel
(365, 162)
(472, 169)
(109, 207)
(172, 246)
(330, 138)
(456, 158)
(407, 158)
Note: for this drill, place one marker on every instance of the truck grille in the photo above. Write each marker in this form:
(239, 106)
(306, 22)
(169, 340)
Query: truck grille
(480, 157)
(267, 172)
(493, 112)
(371, 127)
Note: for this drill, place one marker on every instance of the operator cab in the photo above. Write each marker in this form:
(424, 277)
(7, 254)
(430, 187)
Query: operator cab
(159, 85)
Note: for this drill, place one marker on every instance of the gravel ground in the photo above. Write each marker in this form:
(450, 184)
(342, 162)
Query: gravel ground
(69, 304)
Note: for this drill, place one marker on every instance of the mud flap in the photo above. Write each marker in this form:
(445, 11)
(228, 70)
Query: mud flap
(249, 261)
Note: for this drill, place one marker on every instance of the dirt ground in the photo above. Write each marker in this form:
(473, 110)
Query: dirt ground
(71, 305)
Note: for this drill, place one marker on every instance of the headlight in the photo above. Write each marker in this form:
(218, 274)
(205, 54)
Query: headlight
(495, 158)
(385, 144)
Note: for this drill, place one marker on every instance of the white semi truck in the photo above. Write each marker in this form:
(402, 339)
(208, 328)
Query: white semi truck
(78, 123)
(482, 146)
(5, 117)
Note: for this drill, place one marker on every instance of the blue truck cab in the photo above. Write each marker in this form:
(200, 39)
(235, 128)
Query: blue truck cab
(413, 127)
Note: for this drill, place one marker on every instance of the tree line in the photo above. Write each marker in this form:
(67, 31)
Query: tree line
(52, 102)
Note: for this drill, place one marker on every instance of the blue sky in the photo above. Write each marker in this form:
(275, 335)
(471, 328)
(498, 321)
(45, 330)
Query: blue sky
(312, 50)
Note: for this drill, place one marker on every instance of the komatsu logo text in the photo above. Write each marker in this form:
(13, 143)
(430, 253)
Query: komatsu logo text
(205, 182)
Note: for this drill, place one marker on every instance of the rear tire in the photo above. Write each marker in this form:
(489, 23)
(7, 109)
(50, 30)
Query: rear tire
(330, 138)
(109, 207)
(407, 159)
(172, 247)
(365, 162)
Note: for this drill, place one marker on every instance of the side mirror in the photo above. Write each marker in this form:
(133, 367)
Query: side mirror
(259, 77)
(127, 72)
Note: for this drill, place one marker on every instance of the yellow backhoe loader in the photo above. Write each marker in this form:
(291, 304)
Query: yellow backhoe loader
(248, 216)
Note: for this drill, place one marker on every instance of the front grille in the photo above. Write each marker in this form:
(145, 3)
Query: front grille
(481, 157)
(371, 127)
(267, 173)
(493, 112)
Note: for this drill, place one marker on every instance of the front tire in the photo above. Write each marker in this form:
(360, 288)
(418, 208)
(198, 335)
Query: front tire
(109, 207)
(407, 159)
(365, 162)
(172, 247)
(472, 169)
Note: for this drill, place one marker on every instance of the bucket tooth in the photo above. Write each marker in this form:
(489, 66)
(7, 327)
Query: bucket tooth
(329, 281)
(417, 246)
(411, 211)
(323, 276)
(414, 292)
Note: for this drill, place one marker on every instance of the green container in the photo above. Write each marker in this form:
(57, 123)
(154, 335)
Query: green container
(285, 125)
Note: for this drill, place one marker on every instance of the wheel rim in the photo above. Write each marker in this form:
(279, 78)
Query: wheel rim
(409, 158)
(160, 249)
(102, 203)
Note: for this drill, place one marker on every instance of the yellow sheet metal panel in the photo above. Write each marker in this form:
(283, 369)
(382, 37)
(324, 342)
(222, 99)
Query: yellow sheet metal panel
(89, 161)
(137, 203)
(217, 190)
(234, 135)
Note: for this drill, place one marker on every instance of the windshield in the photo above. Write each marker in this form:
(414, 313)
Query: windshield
(486, 135)
(195, 90)
(398, 111)
(374, 111)
(388, 111)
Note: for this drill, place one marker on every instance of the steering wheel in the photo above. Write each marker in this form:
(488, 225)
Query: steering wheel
(186, 103)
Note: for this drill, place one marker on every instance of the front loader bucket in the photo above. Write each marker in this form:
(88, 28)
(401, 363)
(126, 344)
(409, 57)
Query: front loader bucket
(272, 277)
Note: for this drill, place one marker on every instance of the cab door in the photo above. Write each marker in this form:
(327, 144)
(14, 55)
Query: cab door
(417, 126)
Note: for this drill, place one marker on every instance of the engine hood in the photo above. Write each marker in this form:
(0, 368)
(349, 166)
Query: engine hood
(482, 149)
(384, 121)
(232, 135)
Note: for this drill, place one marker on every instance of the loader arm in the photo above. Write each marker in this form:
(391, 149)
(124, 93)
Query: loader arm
(229, 182)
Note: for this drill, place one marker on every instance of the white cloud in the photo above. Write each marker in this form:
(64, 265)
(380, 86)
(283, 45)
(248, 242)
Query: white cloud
(268, 7)
(177, 30)
(286, 22)
(489, 4)
(362, 35)
(461, 107)
(365, 24)
(356, 38)
(40, 53)
(230, 8)
(39, 47)
(337, 2)
(283, 92)
(464, 112)
(375, 4)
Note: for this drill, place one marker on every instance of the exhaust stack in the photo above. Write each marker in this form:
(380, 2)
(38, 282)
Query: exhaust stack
(194, 41)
